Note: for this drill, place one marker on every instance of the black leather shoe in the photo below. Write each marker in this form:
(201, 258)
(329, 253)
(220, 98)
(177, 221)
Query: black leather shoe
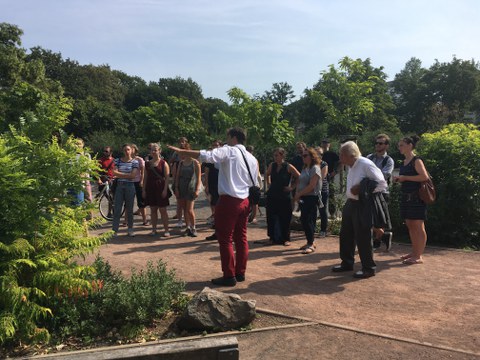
(211, 237)
(364, 274)
(222, 281)
(341, 268)
(240, 278)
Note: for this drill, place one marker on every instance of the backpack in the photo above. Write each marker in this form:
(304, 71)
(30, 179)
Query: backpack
(384, 162)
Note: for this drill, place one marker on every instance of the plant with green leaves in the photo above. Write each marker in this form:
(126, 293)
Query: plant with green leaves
(353, 97)
(262, 120)
(451, 157)
(40, 230)
(127, 304)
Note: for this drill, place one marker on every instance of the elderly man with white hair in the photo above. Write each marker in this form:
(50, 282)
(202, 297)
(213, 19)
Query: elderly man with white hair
(354, 231)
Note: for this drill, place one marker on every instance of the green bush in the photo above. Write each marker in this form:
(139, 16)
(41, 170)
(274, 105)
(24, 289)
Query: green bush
(116, 302)
(452, 156)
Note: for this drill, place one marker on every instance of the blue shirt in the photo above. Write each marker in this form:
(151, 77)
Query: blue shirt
(126, 168)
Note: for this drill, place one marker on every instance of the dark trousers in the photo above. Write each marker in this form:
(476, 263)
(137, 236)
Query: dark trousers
(354, 233)
(324, 212)
(308, 217)
(279, 216)
(332, 207)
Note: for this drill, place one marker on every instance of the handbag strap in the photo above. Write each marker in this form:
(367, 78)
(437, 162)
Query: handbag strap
(248, 167)
(153, 168)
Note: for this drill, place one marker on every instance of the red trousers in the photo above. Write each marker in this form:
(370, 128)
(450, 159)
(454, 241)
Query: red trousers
(231, 215)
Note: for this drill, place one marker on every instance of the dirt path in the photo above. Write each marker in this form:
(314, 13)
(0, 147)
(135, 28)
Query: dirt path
(437, 302)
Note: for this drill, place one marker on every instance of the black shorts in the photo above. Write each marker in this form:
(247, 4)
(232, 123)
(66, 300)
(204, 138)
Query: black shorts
(138, 193)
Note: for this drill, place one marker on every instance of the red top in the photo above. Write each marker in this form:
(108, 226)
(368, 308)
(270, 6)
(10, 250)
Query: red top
(107, 166)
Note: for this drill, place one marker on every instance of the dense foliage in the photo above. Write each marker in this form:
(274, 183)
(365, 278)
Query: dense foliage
(451, 156)
(116, 302)
(40, 231)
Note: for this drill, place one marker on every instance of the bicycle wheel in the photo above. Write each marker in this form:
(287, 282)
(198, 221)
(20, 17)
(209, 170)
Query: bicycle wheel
(105, 206)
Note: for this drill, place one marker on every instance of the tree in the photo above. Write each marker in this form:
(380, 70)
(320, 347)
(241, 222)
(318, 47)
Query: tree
(40, 232)
(281, 93)
(262, 120)
(353, 97)
(444, 94)
(168, 121)
(180, 88)
(409, 95)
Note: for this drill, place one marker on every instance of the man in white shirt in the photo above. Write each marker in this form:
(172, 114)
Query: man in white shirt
(231, 212)
(353, 230)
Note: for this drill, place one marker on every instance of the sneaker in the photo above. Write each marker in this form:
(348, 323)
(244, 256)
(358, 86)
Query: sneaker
(153, 233)
(188, 232)
(210, 220)
(193, 232)
(387, 239)
(131, 233)
(323, 234)
(180, 224)
(166, 234)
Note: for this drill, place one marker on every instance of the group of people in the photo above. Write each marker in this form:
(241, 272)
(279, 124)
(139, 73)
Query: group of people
(230, 173)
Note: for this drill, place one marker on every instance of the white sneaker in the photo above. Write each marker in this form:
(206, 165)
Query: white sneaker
(166, 234)
(131, 233)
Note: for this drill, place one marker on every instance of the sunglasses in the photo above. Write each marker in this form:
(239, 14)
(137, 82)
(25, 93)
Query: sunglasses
(380, 143)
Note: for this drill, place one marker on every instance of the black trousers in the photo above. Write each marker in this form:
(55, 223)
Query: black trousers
(308, 216)
(354, 233)
(279, 216)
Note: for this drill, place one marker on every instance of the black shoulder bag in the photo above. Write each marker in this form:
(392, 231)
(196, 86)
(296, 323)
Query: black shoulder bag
(253, 191)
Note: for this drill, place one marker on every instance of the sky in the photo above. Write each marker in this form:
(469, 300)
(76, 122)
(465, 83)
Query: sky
(250, 44)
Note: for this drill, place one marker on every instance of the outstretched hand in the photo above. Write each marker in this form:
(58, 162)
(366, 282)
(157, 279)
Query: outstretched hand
(174, 148)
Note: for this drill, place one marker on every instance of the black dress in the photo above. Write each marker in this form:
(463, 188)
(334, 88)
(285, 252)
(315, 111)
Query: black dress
(411, 207)
(279, 204)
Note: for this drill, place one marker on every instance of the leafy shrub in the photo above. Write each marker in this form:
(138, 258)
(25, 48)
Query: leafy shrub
(116, 302)
(451, 156)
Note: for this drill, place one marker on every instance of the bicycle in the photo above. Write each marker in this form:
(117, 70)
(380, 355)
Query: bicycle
(106, 201)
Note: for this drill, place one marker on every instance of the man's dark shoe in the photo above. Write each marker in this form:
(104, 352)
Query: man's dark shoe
(341, 268)
(364, 274)
(212, 237)
(387, 239)
(240, 278)
(222, 281)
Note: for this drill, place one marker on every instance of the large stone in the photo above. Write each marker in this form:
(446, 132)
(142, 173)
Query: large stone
(213, 310)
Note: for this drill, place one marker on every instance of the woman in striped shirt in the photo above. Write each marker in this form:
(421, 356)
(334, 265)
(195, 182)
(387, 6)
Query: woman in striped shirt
(125, 169)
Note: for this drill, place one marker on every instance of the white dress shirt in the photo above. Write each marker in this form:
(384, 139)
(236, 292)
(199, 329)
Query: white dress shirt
(233, 177)
(364, 168)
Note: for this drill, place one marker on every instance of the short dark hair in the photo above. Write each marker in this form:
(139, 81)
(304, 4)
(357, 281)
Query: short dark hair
(238, 133)
(383, 136)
